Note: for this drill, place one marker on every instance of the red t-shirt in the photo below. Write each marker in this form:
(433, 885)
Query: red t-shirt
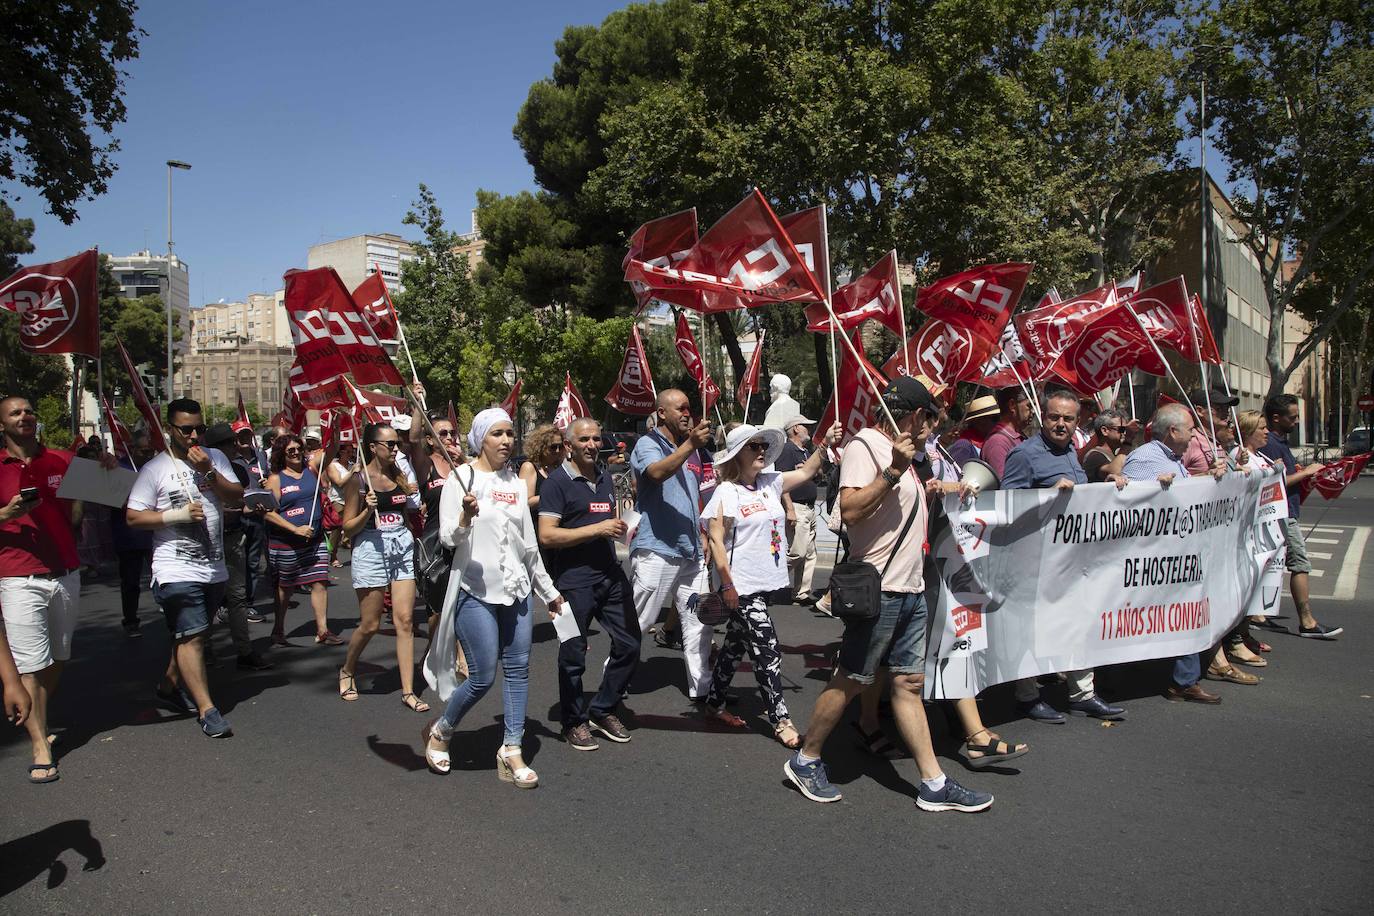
(42, 541)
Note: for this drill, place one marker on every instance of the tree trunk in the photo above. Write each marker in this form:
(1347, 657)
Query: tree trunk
(730, 341)
(821, 344)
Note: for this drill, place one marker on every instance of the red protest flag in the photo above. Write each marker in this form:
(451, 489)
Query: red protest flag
(876, 295)
(1163, 310)
(855, 393)
(1047, 331)
(571, 405)
(318, 395)
(633, 391)
(330, 427)
(512, 402)
(943, 352)
(810, 234)
(745, 259)
(243, 411)
(376, 406)
(686, 345)
(373, 301)
(1207, 343)
(1332, 479)
(58, 305)
(145, 406)
(979, 300)
(661, 242)
(749, 385)
(1109, 347)
(123, 439)
(331, 335)
(453, 416)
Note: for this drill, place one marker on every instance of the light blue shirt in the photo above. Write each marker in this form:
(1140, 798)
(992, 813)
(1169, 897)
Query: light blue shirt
(668, 510)
(1152, 459)
(1036, 464)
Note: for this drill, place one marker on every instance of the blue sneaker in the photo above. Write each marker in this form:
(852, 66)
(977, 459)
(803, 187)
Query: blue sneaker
(811, 780)
(953, 797)
(214, 725)
(177, 700)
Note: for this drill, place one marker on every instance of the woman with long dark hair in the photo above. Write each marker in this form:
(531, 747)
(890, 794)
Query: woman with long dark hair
(484, 516)
(297, 554)
(376, 502)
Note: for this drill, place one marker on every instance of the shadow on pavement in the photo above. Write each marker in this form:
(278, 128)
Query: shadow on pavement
(25, 858)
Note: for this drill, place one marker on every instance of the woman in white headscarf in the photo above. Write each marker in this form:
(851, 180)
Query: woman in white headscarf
(484, 516)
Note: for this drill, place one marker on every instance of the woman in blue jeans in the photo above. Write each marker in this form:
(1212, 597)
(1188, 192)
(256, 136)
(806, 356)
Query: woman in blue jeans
(484, 516)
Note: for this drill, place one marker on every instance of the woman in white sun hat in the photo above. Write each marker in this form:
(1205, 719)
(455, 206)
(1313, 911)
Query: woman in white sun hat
(747, 528)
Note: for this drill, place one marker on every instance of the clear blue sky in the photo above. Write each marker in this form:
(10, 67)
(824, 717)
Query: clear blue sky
(308, 122)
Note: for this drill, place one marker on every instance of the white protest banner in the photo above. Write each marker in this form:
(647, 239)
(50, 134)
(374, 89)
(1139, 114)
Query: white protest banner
(1268, 544)
(1036, 581)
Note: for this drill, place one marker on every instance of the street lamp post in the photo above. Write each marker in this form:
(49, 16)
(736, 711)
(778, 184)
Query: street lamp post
(171, 164)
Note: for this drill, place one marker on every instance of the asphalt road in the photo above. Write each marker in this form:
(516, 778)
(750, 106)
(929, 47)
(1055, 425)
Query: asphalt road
(318, 806)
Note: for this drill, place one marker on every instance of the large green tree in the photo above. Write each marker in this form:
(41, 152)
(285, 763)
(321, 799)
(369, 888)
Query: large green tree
(472, 339)
(23, 372)
(1292, 104)
(62, 94)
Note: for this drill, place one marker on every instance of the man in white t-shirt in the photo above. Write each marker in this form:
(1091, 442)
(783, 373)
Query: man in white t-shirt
(180, 496)
(880, 495)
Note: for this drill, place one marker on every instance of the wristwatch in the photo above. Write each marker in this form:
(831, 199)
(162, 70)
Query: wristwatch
(208, 476)
(890, 478)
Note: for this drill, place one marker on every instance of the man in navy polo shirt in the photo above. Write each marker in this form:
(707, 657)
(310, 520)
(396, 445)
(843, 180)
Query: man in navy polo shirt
(578, 526)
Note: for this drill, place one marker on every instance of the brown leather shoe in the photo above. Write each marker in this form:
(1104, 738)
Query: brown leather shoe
(1193, 694)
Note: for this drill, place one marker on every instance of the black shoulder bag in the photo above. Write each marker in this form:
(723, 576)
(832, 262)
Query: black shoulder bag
(435, 564)
(856, 587)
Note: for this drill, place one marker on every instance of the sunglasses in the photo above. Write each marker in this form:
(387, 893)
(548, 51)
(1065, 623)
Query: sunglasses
(757, 446)
(292, 451)
(389, 443)
(558, 447)
(191, 428)
(447, 434)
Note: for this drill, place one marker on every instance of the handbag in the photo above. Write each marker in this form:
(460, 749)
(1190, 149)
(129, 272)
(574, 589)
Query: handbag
(856, 587)
(435, 563)
(711, 608)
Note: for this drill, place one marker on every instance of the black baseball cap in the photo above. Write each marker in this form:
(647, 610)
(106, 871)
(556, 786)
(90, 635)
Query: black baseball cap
(219, 435)
(1219, 397)
(905, 395)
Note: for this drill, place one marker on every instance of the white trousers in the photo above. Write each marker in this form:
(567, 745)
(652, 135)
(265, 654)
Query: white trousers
(656, 579)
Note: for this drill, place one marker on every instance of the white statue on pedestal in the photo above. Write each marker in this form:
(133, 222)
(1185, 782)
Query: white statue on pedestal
(784, 406)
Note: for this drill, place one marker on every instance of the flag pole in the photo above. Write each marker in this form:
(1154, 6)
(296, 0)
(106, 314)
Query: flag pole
(873, 386)
(100, 393)
(429, 427)
(1202, 375)
(1158, 352)
(758, 343)
(1130, 389)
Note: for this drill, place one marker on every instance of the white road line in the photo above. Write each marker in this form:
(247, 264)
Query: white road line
(1349, 578)
(1317, 555)
(1323, 540)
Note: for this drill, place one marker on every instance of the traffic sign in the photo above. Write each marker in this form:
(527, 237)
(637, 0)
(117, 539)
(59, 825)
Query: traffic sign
(1366, 402)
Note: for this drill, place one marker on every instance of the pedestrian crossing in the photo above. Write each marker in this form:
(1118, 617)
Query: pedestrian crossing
(1336, 567)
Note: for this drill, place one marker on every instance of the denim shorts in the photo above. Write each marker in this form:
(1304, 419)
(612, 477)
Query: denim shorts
(896, 638)
(382, 557)
(188, 606)
(1296, 558)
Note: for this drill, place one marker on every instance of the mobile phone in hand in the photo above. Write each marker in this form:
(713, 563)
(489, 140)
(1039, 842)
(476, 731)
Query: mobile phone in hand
(29, 494)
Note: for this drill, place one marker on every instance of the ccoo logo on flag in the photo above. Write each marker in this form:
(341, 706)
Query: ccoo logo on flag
(48, 306)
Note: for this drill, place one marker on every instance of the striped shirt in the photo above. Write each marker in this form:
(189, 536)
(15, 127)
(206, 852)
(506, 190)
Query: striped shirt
(1152, 459)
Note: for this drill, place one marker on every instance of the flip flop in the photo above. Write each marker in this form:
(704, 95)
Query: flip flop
(43, 766)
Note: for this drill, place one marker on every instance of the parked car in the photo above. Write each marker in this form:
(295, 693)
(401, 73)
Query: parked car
(1357, 442)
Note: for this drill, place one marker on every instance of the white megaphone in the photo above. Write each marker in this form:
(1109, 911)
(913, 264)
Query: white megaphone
(978, 475)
